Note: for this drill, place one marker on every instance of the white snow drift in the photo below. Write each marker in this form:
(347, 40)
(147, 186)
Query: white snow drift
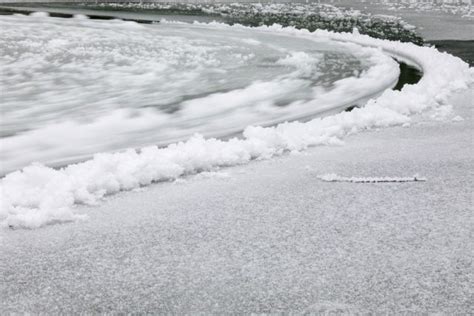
(38, 195)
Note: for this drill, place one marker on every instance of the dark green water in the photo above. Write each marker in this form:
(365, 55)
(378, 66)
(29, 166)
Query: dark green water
(408, 75)
(461, 49)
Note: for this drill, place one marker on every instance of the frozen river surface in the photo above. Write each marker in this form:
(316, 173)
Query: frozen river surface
(269, 237)
(75, 87)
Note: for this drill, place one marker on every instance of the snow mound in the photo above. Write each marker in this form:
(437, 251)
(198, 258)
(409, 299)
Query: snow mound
(38, 195)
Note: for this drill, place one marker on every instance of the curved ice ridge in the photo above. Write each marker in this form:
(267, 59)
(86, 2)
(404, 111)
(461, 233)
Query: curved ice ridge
(38, 195)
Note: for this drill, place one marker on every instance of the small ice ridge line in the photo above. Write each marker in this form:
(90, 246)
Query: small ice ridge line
(332, 177)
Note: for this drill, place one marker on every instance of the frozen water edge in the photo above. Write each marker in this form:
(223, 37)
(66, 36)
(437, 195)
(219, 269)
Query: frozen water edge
(270, 236)
(38, 195)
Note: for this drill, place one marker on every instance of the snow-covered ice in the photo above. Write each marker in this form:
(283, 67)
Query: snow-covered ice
(271, 238)
(433, 21)
(267, 237)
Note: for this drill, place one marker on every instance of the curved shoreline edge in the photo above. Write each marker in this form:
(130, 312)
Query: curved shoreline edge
(52, 194)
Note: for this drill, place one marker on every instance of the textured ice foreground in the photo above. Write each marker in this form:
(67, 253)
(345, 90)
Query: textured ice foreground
(38, 195)
(270, 237)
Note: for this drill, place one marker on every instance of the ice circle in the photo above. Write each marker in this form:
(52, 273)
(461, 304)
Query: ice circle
(297, 83)
(75, 87)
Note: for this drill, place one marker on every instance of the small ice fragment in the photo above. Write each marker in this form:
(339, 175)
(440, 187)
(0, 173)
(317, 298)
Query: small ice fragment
(332, 177)
(213, 175)
(40, 14)
(81, 17)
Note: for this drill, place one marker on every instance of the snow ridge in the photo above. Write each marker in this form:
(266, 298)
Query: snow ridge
(38, 195)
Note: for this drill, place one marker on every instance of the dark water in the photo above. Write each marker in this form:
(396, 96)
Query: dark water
(461, 49)
(408, 75)
(59, 14)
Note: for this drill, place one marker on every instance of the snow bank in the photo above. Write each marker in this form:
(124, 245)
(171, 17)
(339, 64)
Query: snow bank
(38, 195)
